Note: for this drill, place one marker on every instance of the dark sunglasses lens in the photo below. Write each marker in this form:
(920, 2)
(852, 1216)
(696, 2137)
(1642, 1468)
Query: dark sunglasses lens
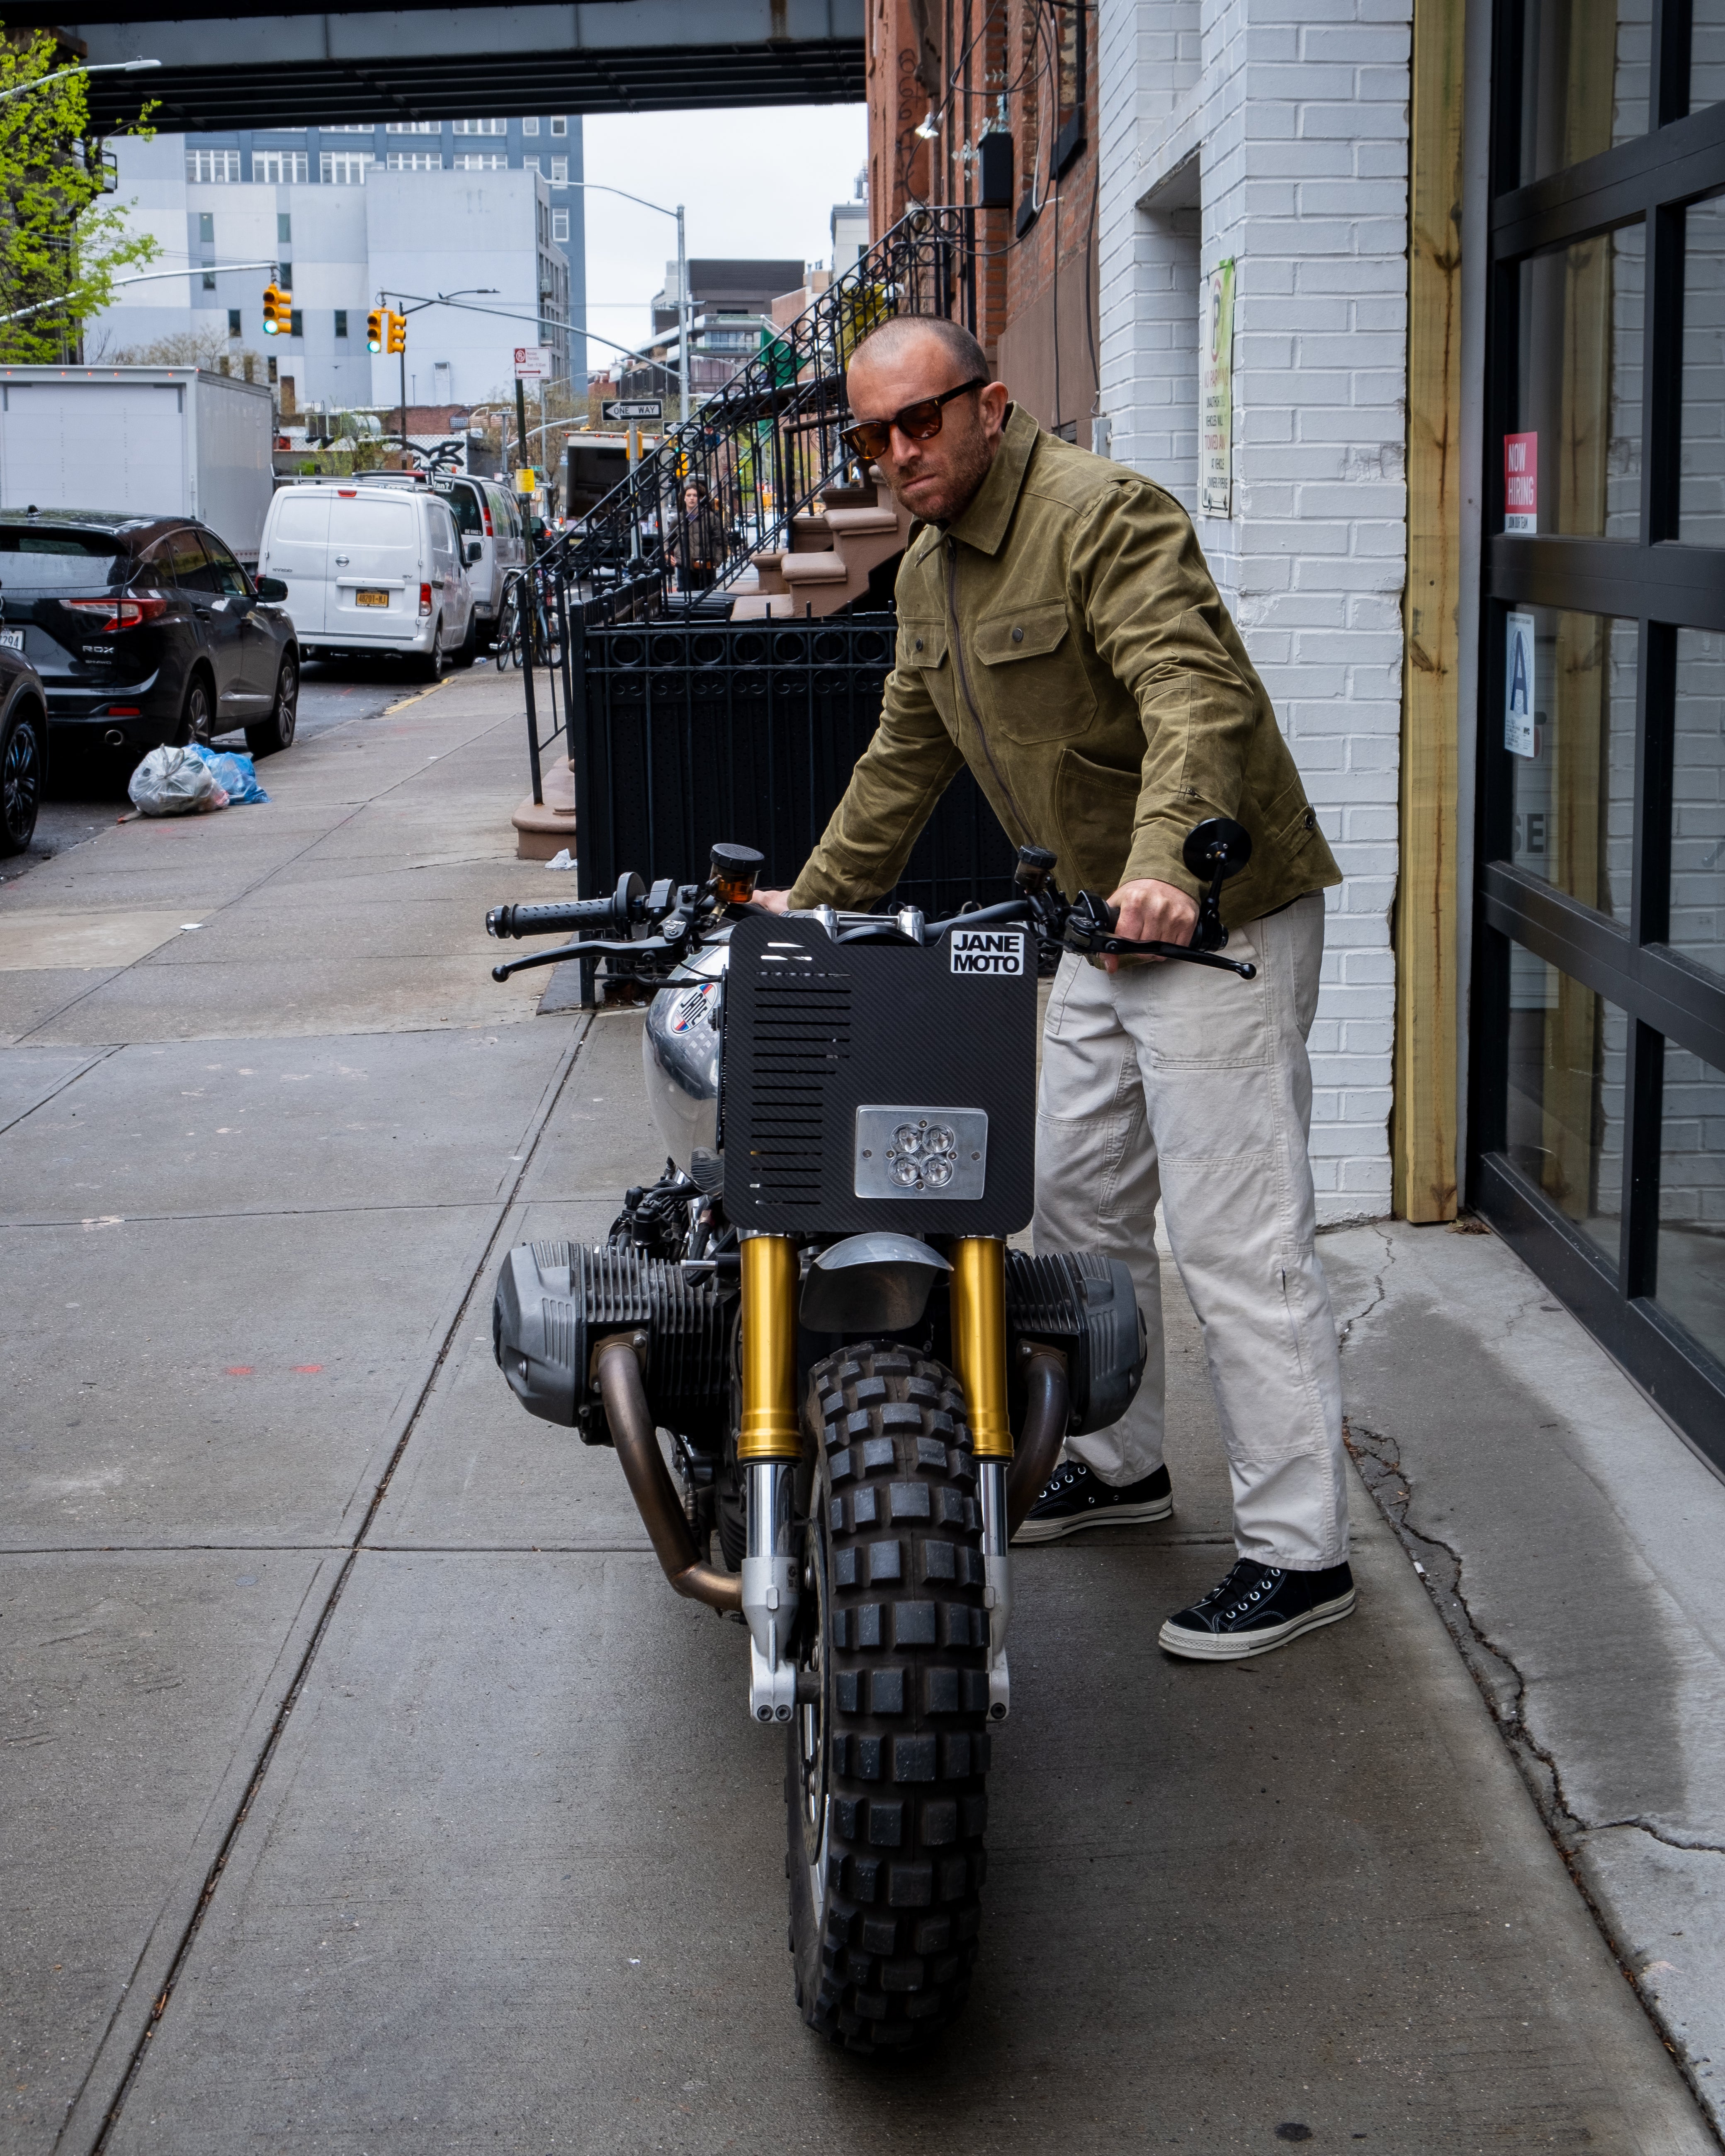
(867, 440)
(921, 422)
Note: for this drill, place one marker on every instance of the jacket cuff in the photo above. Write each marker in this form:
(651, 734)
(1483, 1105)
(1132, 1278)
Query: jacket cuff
(1156, 853)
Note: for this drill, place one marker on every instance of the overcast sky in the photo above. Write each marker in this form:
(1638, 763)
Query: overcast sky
(754, 181)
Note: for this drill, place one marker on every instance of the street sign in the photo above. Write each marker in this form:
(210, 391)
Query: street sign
(532, 363)
(638, 408)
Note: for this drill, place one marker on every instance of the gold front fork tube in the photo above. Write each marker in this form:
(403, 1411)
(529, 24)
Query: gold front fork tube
(979, 1340)
(771, 1430)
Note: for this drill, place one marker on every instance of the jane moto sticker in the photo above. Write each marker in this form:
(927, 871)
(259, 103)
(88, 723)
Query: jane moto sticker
(986, 951)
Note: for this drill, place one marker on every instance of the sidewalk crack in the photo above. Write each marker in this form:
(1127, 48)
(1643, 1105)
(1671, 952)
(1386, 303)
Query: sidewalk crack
(1377, 1458)
(1378, 1290)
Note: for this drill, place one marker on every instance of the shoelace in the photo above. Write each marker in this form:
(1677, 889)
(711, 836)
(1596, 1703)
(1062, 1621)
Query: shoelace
(1270, 1575)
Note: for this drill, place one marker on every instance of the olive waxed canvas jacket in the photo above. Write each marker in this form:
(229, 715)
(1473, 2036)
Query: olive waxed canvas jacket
(1063, 637)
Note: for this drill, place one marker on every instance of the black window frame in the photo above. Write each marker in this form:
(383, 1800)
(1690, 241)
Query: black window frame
(1663, 585)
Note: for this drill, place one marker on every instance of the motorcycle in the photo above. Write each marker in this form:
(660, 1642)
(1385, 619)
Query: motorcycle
(862, 1387)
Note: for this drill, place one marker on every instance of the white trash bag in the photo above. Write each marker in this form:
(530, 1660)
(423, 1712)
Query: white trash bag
(175, 781)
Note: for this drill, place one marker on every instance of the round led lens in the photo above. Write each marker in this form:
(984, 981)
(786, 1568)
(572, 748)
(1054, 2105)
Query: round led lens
(908, 1139)
(937, 1138)
(937, 1174)
(904, 1172)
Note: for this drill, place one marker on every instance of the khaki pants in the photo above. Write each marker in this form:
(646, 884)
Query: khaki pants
(1176, 1083)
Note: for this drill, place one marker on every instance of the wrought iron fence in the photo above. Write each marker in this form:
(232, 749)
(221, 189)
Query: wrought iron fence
(761, 447)
(683, 732)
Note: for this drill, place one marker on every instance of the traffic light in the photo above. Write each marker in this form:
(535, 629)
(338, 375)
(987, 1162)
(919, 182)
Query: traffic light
(374, 330)
(277, 310)
(397, 325)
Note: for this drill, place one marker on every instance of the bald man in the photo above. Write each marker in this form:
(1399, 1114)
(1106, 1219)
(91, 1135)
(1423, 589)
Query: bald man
(1060, 633)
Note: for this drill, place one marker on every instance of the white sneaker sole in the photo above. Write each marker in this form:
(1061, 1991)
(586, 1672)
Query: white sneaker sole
(1114, 1516)
(1237, 1646)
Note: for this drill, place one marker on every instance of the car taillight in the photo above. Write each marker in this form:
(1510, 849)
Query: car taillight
(425, 598)
(485, 514)
(121, 613)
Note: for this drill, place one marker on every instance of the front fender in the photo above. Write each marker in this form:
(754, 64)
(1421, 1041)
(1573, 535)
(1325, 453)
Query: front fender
(877, 1282)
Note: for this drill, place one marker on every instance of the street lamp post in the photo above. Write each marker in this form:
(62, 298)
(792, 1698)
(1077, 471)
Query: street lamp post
(597, 187)
(59, 74)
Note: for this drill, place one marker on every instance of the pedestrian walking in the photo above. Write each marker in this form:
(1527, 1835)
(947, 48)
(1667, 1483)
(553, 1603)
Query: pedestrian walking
(697, 541)
(1060, 632)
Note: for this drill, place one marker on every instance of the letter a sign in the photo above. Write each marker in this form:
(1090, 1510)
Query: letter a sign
(1520, 735)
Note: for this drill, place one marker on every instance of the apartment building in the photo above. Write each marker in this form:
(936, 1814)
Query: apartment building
(487, 208)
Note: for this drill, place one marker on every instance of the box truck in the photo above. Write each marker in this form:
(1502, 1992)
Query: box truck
(165, 441)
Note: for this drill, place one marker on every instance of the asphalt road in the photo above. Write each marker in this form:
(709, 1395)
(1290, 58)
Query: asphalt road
(365, 1790)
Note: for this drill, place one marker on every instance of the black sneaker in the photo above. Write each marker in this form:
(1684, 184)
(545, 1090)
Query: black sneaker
(1256, 1607)
(1073, 1498)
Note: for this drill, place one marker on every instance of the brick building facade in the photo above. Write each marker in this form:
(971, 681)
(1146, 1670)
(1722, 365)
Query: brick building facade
(1018, 69)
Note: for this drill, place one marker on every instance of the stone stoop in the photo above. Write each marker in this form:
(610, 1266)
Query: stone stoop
(542, 829)
(830, 561)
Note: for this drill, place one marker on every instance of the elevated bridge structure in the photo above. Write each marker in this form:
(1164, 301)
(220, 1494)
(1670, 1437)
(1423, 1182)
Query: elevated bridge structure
(303, 67)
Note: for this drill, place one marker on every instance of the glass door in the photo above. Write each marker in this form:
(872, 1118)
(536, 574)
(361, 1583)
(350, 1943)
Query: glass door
(1598, 1077)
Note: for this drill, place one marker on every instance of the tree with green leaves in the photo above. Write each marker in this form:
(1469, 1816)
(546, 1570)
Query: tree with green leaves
(61, 247)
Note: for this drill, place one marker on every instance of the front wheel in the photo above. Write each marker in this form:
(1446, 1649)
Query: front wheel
(888, 1752)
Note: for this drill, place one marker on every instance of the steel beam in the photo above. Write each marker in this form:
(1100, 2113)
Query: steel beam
(304, 69)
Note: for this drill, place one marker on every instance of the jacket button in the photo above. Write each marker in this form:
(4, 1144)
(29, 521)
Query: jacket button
(1311, 821)
(1018, 636)
(919, 643)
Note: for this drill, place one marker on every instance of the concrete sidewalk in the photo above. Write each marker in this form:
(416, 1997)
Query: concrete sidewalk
(1572, 1545)
(368, 1790)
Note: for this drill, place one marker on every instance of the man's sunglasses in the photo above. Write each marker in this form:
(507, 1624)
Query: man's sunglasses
(920, 422)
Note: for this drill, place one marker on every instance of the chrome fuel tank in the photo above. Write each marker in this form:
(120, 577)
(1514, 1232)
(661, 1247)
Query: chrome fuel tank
(680, 1054)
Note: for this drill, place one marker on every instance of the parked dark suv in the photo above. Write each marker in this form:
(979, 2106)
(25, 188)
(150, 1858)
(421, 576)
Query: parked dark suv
(145, 630)
(23, 751)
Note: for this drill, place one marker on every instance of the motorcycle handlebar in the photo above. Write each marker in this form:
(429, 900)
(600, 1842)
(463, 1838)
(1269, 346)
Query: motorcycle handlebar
(507, 921)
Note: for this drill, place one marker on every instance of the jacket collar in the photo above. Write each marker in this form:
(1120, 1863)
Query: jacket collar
(983, 523)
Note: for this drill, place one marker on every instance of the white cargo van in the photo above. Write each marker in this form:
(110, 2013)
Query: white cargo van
(493, 538)
(371, 568)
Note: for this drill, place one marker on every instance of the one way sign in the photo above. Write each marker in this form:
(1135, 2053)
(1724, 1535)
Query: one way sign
(638, 408)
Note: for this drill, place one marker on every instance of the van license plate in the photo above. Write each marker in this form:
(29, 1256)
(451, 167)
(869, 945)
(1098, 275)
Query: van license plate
(12, 639)
(371, 598)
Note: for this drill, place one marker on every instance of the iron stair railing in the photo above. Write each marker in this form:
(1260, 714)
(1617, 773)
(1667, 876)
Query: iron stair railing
(762, 447)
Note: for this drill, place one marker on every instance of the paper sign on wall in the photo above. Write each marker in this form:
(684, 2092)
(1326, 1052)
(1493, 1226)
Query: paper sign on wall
(1520, 736)
(1216, 473)
(1521, 482)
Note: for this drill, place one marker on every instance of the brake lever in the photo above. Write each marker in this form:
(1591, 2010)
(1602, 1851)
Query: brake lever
(1090, 931)
(649, 946)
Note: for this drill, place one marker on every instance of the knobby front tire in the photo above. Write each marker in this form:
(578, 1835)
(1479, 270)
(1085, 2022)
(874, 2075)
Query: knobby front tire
(888, 1754)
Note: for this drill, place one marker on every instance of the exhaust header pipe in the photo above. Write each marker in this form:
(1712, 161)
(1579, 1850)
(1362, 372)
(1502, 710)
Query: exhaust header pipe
(617, 1364)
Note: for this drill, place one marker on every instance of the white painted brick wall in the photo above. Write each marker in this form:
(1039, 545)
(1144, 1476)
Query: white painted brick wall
(1297, 111)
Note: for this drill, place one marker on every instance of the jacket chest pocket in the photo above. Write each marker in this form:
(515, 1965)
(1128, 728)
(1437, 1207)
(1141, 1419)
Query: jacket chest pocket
(922, 644)
(1032, 674)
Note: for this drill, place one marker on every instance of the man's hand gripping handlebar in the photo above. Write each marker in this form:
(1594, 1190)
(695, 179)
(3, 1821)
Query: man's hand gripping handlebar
(1214, 851)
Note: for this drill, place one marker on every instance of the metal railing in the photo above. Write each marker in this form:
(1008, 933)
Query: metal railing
(683, 732)
(761, 448)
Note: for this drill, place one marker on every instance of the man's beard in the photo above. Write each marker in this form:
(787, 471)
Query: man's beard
(965, 474)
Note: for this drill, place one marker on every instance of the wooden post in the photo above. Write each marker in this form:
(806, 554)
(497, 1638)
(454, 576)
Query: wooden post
(1423, 1126)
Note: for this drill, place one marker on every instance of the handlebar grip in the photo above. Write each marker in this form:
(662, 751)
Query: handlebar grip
(510, 920)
